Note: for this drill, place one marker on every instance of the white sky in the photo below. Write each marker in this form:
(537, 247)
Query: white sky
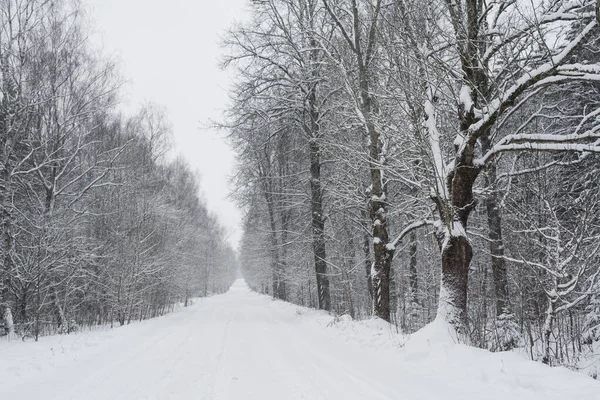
(169, 53)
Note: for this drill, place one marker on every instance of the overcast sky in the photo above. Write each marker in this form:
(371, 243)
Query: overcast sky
(169, 53)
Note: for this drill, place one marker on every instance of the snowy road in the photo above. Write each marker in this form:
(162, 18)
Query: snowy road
(241, 345)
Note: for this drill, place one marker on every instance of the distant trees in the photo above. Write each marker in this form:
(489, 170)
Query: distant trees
(96, 225)
(425, 110)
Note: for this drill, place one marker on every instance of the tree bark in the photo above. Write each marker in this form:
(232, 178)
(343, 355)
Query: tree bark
(412, 268)
(368, 260)
(318, 227)
(454, 245)
(413, 284)
(382, 254)
(285, 226)
(7, 142)
(456, 259)
(275, 261)
(498, 263)
(316, 189)
(6, 256)
(548, 325)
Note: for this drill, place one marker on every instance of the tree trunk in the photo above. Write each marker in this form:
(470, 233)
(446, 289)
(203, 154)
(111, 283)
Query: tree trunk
(8, 140)
(275, 263)
(412, 268)
(368, 260)
(548, 324)
(413, 284)
(59, 312)
(23, 304)
(9, 325)
(454, 245)
(456, 258)
(316, 187)
(318, 227)
(285, 214)
(494, 219)
(455, 209)
(382, 254)
(499, 272)
(285, 226)
(380, 272)
(6, 243)
(348, 265)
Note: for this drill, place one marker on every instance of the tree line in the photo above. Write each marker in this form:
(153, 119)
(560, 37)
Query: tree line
(385, 144)
(97, 224)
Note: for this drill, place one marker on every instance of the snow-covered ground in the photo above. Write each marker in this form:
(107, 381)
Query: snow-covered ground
(242, 345)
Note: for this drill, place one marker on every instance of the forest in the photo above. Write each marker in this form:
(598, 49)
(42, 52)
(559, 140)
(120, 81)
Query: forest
(99, 223)
(420, 159)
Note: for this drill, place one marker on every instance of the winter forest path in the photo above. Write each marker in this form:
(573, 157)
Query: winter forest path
(240, 345)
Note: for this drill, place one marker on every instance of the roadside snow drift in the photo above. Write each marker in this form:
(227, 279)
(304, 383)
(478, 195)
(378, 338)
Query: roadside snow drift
(242, 345)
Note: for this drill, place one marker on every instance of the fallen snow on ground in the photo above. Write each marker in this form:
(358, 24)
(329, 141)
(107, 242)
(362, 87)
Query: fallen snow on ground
(242, 345)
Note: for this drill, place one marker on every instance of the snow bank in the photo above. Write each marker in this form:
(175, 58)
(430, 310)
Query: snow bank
(435, 352)
(437, 334)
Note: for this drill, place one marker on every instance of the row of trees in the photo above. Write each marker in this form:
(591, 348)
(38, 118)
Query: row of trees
(96, 225)
(384, 144)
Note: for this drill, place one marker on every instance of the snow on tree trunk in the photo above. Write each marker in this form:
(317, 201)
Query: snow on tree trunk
(382, 258)
(456, 258)
(9, 325)
(383, 252)
(548, 324)
(453, 196)
(452, 238)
